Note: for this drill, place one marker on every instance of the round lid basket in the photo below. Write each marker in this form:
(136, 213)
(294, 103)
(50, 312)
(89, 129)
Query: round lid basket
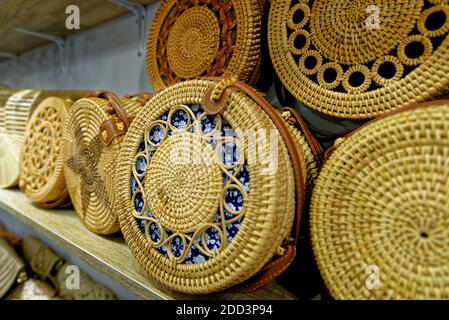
(380, 208)
(42, 158)
(192, 38)
(202, 207)
(359, 59)
(92, 137)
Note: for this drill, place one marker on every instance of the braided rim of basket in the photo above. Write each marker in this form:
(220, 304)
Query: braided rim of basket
(317, 51)
(379, 211)
(89, 165)
(263, 228)
(42, 158)
(191, 38)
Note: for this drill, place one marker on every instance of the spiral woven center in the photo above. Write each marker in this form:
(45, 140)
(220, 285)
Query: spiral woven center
(360, 31)
(193, 42)
(183, 189)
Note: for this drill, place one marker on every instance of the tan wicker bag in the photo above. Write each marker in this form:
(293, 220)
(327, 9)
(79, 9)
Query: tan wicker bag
(380, 208)
(191, 38)
(93, 135)
(199, 213)
(42, 158)
(15, 115)
(356, 59)
(19, 108)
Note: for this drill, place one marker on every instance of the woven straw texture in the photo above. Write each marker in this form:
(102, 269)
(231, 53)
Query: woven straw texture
(15, 115)
(359, 59)
(309, 163)
(380, 209)
(4, 96)
(89, 166)
(208, 221)
(42, 158)
(17, 111)
(191, 38)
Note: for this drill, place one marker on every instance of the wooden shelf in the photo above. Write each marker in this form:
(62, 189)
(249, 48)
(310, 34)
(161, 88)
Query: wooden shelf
(109, 255)
(50, 17)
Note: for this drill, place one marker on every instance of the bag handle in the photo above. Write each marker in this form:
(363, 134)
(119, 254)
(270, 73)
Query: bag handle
(111, 129)
(286, 254)
(141, 97)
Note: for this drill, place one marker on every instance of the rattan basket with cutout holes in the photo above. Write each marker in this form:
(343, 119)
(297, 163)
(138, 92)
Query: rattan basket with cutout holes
(93, 135)
(210, 184)
(192, 38)
(42, 158)
(356, 59)
(380, 208)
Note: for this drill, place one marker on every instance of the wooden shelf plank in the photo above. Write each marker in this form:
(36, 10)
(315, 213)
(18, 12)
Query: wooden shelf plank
(109, 255)
(50, 17)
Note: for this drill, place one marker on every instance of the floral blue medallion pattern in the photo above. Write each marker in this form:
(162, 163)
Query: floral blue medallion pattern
(236, 183)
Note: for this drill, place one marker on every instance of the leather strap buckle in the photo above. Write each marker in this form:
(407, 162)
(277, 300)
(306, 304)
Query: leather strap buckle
(110, 130)
(217, 94)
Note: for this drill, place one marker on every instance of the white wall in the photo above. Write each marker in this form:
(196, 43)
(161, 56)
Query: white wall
(104, 57)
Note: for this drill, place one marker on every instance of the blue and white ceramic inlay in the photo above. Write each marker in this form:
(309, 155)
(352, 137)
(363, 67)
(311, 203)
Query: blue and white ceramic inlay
(234, 199)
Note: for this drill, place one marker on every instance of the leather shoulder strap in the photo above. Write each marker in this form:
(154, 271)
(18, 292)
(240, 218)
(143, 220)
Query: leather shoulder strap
(111, 129)
(315, 146)
(281, 261)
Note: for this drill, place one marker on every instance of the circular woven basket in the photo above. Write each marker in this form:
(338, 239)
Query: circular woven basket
(41, 160)
(198, 211)
(380, 209)
(359, 59)
(17, 111)
(90, 164)
(192, 38)
(15, 114)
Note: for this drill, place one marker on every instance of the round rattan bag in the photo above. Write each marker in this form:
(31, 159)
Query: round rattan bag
(15, 115)
(191, 38)
(41, 159)
(359, 59)
(92, 137)
(380, 208)
(207, 187)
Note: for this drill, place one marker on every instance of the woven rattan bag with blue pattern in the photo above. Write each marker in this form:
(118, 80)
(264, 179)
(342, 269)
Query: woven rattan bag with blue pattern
(212, 184)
